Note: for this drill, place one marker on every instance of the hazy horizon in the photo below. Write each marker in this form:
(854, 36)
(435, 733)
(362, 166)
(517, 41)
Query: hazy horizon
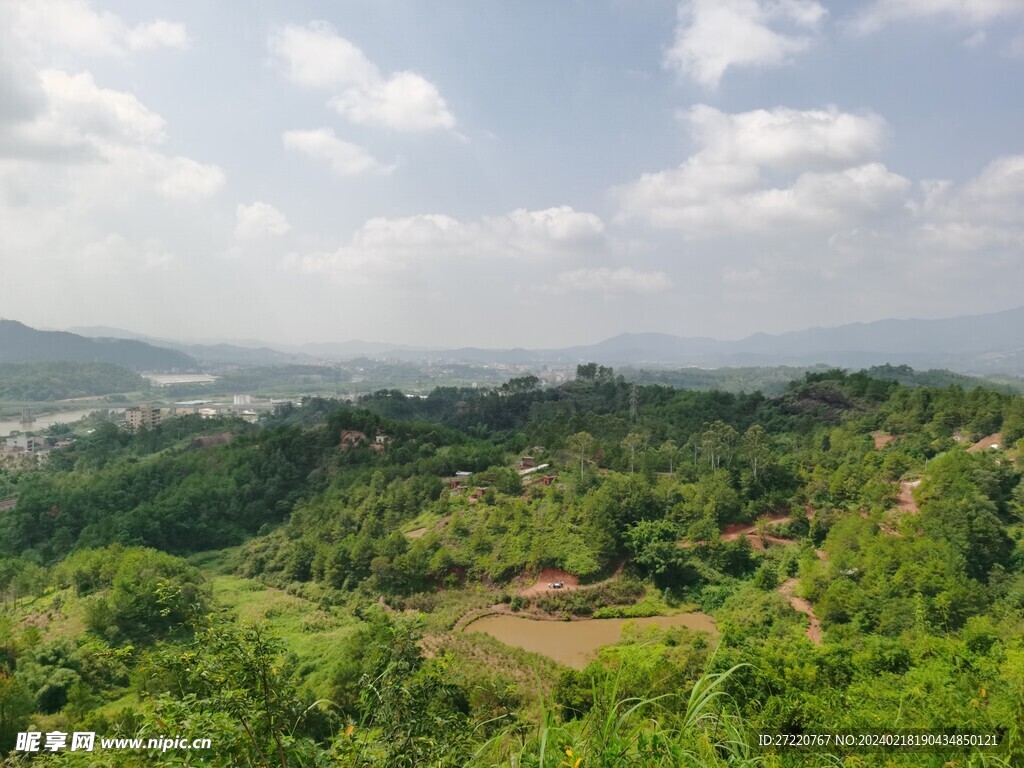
(479, 174)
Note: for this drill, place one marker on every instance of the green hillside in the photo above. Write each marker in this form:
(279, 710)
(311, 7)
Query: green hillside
(844, 558)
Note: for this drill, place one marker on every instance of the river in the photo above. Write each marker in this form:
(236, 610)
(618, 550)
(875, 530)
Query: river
(44, 421)
(573, 643)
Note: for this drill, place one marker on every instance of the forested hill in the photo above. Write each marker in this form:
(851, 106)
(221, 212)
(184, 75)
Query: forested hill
(20, 343)
(63, 380)
(854, 545)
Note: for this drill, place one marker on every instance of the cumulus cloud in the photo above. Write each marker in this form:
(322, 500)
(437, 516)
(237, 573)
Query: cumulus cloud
(880, 13)
(612, 281)
(316, 56)
(722, 188)
(784, 138)
(259, 220)
(75, 26)
(985, 212)
(343, 157)
(79, 108)
(385, 246)
(109, 142)
(713, 36)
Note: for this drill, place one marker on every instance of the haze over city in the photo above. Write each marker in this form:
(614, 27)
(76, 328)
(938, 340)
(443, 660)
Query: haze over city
(488, 174)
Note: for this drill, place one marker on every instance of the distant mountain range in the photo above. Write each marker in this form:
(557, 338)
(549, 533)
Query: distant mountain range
(991, 343)
(980, 344)
(252, 352)
(21, 344)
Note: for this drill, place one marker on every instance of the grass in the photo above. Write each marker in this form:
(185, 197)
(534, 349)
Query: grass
(311, 632)
(56, 614)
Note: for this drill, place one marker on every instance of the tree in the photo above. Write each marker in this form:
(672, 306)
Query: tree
(15, 707)
(633, 442)
(756, 448)
(670, 451)
(581, 445)
(234, 685)
(718, 442)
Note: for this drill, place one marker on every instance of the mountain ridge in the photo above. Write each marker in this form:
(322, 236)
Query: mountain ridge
(985, 343)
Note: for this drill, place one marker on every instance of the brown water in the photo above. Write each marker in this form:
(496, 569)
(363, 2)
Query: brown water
(573, 643)
(45, 420)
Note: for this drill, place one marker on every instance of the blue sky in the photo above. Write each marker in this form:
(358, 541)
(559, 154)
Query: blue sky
(501, 174)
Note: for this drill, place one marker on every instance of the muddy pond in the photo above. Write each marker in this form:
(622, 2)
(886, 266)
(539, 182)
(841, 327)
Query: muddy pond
(573, 643)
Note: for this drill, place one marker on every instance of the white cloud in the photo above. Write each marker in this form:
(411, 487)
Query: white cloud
(107, 142)
(180, 179)
(75, 26)
(715, 35)
(116, 252)
(79, 108)
(786, 139)
(612, 281)
(986, 212)
(880, 13)
(827, 155)
(405, 102)
(316, 56)
(383, 247)
(343, 157)
(259, 220)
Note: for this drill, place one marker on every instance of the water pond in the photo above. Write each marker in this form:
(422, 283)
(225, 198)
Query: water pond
(573, 643)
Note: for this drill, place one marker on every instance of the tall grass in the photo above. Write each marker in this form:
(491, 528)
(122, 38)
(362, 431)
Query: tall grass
(628, 731)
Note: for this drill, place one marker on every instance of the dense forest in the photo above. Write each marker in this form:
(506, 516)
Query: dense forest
(303, 592)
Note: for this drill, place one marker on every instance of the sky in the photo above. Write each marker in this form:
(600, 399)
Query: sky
(501, 174)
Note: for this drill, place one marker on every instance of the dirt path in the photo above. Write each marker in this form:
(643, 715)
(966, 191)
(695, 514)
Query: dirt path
(550, 576)
(987, 443)
(905, 500)
(804, 607)
(736, 530)
(569, 582)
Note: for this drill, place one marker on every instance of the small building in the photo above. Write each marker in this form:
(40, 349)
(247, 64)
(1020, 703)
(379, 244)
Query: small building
(351, 438)
(26, 443)
(141, 417)
(527, 462)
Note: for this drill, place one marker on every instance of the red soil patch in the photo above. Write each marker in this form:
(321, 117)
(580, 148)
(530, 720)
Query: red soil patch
(882, 439)
(804, 607)
(987, 443)
(416, 533)
(735, 530)
(549, 576)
